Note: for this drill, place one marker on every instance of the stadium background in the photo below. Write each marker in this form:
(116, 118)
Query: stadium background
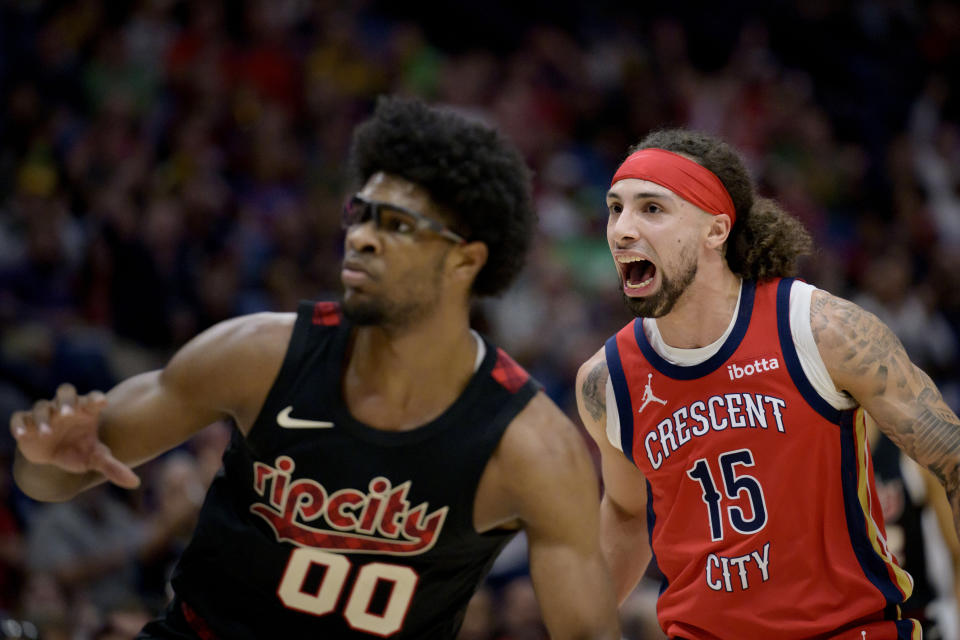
(165, 165)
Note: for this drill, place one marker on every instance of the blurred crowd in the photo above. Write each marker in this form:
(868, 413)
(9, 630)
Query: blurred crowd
(167, 164)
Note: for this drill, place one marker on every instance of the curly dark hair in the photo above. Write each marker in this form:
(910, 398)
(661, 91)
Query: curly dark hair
(467, 167)
(765, 241)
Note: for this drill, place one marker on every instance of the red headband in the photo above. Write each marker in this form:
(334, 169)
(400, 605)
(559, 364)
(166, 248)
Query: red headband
(689, 180)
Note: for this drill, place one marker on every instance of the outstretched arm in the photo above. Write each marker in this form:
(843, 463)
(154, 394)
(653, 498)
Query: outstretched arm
(866, 360)
(547, 478)
(623, 511)
(938, 502)
(73, 442)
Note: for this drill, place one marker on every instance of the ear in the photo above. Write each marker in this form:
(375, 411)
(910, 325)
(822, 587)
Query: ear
(466, 260)
(718, 230)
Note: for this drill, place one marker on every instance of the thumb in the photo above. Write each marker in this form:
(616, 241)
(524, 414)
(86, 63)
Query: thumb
(114, 470)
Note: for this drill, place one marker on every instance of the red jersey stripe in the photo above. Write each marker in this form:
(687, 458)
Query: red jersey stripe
(197, 623)
(326, 314)
(508, 373)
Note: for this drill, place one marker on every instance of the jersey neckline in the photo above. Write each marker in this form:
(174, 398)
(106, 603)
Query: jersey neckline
(456, 413)
(714, 362)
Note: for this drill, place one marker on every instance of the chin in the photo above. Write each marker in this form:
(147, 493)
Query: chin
(662, 302)
(363, 313)
(655, 306)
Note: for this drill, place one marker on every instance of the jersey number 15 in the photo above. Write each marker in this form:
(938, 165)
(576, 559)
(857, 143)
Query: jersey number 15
(733, 485)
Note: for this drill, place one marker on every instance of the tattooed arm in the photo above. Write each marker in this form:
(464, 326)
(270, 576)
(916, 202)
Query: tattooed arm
(623, 509)
(866, 360)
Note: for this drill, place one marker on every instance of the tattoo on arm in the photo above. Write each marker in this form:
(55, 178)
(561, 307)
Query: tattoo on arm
(933, 439)
(868, 358)
(816, 306)
(862, 347)
(594, 391)
(933, 436)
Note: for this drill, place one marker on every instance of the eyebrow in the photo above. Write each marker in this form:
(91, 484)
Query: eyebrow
(643, 195)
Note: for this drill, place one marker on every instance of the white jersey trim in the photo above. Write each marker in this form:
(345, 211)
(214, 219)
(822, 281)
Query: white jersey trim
(613, 416)
(810, 359)
(481, 351)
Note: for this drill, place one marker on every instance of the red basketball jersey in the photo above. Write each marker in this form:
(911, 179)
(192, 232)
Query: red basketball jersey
(762, 511)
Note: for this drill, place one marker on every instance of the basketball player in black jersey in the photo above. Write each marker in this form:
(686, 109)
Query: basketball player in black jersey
(383, 453)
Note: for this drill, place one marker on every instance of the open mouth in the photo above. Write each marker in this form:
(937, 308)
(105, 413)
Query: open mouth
(637, 272)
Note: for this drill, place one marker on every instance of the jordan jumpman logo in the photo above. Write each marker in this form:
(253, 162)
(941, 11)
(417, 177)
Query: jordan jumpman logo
(648, 396)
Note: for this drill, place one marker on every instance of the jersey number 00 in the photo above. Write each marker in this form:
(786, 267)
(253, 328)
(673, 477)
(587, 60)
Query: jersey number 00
(323, 600)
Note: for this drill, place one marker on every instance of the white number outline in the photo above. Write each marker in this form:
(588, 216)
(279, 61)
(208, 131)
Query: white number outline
(356, 610)
(733, 485)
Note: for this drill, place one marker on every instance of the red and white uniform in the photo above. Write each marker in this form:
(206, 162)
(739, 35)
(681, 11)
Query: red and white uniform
(761, 509)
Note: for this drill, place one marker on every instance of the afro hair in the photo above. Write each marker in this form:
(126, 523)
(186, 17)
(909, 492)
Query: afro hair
(467, 167)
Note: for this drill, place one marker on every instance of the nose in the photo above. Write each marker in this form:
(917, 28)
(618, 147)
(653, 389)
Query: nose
(363, 238)
(623, 229)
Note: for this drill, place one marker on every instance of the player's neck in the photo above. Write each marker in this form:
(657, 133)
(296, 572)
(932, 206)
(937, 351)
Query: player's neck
(401, 379)
(703, 312)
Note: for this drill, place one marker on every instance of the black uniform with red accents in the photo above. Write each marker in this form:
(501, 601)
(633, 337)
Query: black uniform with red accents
(318, 526)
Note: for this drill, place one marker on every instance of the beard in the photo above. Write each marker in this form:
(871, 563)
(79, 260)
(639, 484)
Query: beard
(365, 312)
(383, 313)
(662, 302)
(417, 302)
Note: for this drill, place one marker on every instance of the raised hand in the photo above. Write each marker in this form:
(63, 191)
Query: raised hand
(64, 433)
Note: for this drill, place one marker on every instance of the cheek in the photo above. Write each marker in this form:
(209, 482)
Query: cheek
(676, 252)
(611, 233)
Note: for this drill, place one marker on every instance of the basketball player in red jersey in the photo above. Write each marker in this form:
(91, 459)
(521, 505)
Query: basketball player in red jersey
(384, 452)
(730, 414)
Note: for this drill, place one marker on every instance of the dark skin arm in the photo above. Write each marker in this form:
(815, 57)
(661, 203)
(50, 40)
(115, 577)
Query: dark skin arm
(541, 478)
(73, 442)
(866, 360)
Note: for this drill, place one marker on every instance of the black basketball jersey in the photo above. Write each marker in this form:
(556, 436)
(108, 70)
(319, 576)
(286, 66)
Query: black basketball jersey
(319, 526)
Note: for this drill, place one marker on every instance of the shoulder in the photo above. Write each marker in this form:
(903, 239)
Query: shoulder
(541, 442)
(853, 342)
(802, 289)
(266, 332)
(594, 366)
(234, 360)
(263, 328)
(541, 430)
(836, 321)
(591, 391)
(542, 457)
(241, 338)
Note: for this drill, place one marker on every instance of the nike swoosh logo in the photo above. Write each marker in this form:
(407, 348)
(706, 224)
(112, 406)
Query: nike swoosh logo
(285, 421)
